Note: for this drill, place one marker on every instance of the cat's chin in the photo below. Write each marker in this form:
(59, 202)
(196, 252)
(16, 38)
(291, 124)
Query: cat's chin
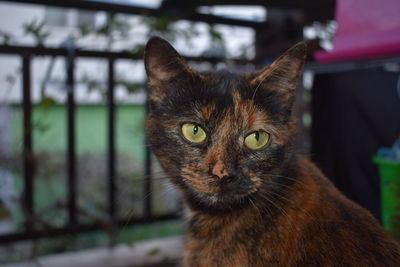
(217, 203)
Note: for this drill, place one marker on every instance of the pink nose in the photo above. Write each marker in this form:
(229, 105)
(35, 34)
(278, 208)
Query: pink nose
(219, 171)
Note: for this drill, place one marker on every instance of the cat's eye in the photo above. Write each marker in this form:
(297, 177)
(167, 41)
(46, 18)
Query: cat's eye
(256, 140)
(193, 133)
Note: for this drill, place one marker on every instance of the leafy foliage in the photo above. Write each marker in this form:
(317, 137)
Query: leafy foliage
(6, 38)
(116, 27)
(36, 29)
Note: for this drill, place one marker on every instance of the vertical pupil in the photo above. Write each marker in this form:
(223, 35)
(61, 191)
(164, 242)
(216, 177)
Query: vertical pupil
(195, 129)
(257, 136)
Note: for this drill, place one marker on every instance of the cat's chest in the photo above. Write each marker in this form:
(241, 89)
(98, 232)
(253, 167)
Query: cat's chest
(222, 251)
(228, 243)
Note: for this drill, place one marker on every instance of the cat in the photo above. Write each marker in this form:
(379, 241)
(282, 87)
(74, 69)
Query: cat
(225, 140)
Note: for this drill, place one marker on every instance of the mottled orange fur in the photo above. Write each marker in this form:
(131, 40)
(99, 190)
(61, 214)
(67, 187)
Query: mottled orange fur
(227, 241)
(268, 206)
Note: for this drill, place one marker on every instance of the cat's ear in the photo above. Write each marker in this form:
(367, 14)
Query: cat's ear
(282, 75)
(163, 64)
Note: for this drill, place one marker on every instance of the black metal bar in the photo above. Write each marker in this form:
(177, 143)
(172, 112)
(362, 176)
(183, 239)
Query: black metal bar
(147, 196)
(46, 51)
(71, 156)
(62, 51)
(147, 182)
(26, 53)
(27, 199)
(70, 53)
(111, 161)
(336, 67)
(129, 8)
(270, 3)
(73, 229)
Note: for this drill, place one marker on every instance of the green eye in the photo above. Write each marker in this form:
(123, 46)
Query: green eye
(193, 133)
(256, 140)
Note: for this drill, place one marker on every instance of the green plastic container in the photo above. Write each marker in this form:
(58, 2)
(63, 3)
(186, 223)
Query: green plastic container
(389, 172)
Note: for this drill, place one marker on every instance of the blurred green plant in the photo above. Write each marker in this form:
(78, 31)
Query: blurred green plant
(136, 51)
(116, 26)
(92, 84)
(215, 35)
(130, 87)
(47, 102)
(5, 38)
(161, 26)
(165, 27)
(35, 28)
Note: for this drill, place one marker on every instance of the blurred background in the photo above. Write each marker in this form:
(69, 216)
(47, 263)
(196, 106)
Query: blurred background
(78, 185)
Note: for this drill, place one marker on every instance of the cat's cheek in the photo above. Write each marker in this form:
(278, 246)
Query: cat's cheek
(256, 182)
(244, 169)
(151, 129)
(263, 162)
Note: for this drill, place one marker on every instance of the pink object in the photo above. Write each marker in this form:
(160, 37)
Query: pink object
(366, 29)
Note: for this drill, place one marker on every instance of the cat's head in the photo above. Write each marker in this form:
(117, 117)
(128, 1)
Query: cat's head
(223, 138)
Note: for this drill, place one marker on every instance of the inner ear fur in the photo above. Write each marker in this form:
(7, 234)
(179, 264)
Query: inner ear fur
(283, 74)
(163, 64)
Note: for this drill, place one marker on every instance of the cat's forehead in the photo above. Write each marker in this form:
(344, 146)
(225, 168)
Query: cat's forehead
(219, 99)
(221, 88)
(224, 80)
(232, 110)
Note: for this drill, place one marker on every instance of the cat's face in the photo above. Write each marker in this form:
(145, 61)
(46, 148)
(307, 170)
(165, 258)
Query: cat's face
(221, 137)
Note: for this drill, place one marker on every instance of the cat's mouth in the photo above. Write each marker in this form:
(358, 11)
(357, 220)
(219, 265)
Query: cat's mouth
(234, 186)
(219, 194)
(219, 202)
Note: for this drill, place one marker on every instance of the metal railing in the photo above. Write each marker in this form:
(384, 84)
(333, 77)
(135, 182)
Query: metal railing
(27, 54)
(70, 53)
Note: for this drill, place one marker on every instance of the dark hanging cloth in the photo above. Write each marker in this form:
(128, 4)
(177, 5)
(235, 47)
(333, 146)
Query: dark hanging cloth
(354, 113)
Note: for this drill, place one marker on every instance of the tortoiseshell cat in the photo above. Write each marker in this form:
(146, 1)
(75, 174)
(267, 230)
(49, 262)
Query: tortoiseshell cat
(226, 142)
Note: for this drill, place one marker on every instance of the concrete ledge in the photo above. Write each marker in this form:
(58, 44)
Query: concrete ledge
(156, 252)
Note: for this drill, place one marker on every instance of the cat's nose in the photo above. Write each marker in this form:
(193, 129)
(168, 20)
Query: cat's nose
(220, 170)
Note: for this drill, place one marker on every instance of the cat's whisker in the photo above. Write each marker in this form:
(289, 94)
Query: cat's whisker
(158, 178)
(141, 146)
(279, 195)
(128, 216)
(288, 178)
(283, 212)
(258, 86)
(289, 201)
(256, 208)
(265, 197)
(280, 185)
(131, 212)
(158, 175)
